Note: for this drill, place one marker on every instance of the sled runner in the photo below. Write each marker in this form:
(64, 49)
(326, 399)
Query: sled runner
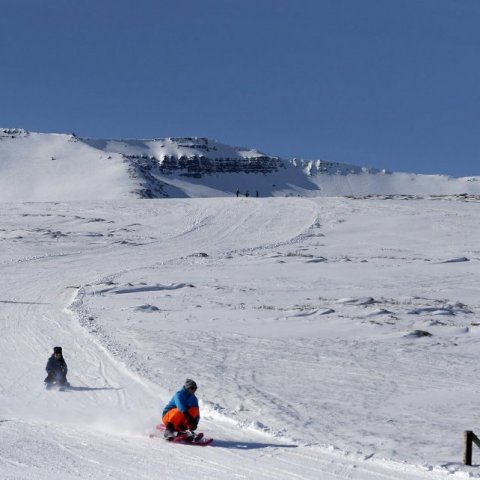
(185, 438)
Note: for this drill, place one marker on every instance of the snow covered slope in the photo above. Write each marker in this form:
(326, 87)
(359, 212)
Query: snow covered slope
(331, 338)
(43, 167)
(36, 167)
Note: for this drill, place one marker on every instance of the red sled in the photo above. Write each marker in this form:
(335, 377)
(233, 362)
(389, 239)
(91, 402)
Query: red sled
(184, 438)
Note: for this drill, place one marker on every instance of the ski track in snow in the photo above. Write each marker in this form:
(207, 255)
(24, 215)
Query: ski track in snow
(306, 369)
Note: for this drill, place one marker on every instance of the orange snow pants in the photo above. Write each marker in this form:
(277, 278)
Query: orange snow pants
(178, 419)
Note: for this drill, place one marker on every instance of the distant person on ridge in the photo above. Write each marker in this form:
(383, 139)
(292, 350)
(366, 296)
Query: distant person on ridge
(57, 369)
(182, 413)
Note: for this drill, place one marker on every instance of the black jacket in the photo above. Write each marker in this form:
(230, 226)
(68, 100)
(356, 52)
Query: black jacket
(56, 365)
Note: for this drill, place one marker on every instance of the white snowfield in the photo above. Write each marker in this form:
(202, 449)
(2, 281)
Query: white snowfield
(331, 338)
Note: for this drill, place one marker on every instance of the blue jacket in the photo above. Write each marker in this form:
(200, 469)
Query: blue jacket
(182, 400)
(56, 365)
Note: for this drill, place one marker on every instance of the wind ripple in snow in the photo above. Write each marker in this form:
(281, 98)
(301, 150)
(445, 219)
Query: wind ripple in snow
(456, 260)
(377, 312)
(356, 301)
(145, 288)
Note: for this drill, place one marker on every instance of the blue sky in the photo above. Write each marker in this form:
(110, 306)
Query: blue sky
(385, 83)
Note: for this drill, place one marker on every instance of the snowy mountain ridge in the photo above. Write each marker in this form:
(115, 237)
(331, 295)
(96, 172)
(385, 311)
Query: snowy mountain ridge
(44, 167)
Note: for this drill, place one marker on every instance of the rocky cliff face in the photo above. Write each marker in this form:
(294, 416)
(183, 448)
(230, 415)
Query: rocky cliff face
(12, 133)
(195, 157)
(197, 166)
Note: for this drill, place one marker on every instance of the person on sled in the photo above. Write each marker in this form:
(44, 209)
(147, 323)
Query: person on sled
(57, 369)
(182, 414)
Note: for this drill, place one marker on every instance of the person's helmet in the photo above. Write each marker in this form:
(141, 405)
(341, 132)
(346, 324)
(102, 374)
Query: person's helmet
(189, 383)
(57, 350)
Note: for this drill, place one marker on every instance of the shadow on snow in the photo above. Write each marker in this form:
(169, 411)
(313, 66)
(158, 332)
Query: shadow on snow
(247, 445)
(89, 389)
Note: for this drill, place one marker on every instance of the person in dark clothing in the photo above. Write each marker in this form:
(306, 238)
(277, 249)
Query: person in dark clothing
(57, 369)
